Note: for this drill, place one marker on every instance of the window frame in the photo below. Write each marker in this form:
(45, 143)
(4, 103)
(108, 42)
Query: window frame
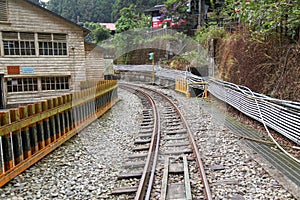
(55, 83)
(22, 84)
(18, 46)
(54, 46)
(29, 84)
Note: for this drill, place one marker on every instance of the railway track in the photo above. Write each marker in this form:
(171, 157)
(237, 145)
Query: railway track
(165, 162)
(87, 166)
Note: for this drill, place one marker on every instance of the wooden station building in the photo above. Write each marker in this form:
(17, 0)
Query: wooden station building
(42, 55)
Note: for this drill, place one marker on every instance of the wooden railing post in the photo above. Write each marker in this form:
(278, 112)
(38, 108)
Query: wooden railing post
(40, 126)
(16, 137)
(33, 131)
(73, 113)
(2, 168)
(25, 133)
(7, 145)
(65, 115)
(57, 119)
(1, 149)
(69, 112)
(46, 124)
(61, 116)
(52, 121)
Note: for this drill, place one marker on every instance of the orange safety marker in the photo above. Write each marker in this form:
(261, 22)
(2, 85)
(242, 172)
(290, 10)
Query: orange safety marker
(205, 91)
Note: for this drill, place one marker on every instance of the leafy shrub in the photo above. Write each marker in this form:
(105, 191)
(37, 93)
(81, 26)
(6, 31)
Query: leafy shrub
(213, 32)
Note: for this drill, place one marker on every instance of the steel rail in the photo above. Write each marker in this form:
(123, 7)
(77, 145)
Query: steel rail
(147, 179)
(141, 193)
(207, 191)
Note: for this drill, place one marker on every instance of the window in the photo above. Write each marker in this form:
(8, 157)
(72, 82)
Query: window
(18, 43)
(22, 84)
(3, 11)
(23, 44)
(52, 44)
(55, 83)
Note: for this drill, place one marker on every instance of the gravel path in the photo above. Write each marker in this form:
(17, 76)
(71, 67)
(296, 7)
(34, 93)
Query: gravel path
(86, 166)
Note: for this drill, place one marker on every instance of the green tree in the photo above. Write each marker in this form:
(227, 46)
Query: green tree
(176, 9)
(129, 19)
(179, 12)
(268, 16)
(98, 33)
(66, 8)
(141, 6)
(83, 10)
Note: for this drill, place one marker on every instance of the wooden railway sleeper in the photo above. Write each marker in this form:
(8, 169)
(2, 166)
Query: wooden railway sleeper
(171, 191)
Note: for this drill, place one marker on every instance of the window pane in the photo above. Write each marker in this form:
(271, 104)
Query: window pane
(16, 44)
(27, 45)
(23, 52)
(22, 44)
(26, 84)
(35, 84)
(52, 83)
(22, 85)
(15, 88)
(55, 83)
(41, 48)
(6, 47)
(17, 48)
(9, 86)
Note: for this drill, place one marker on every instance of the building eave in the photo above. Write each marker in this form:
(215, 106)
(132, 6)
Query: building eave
(85, 31)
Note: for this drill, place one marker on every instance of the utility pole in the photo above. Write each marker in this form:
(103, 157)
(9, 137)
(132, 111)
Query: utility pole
(199, 27)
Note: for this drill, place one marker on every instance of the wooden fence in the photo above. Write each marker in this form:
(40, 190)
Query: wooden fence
(30, 132)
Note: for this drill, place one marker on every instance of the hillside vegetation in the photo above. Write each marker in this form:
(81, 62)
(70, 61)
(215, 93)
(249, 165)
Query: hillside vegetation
(95, 10)
(270, 67)
(261, 50)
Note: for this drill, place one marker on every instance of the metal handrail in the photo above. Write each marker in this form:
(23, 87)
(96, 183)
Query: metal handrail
(282, 116)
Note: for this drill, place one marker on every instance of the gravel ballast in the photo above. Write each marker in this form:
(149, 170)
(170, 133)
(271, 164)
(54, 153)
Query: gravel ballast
(86, 166)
